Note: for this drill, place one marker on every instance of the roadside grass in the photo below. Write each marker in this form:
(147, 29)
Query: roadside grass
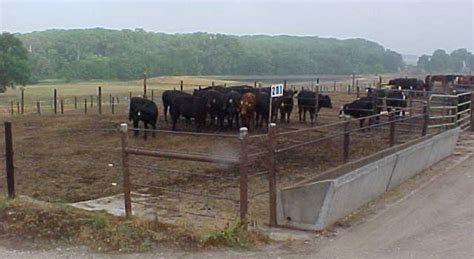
(31, 220)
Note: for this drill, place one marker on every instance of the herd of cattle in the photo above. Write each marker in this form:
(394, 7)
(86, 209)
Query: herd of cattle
(247, 106)
(239, 106)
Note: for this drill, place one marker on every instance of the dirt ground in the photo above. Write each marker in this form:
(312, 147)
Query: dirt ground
(430, 215)
(76, 157)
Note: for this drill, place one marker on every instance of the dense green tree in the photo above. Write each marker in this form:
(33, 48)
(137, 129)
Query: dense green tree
(14, 68)
(112, 54)
(459, 61)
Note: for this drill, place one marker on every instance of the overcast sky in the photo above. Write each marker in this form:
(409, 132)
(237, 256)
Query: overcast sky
(408, 27)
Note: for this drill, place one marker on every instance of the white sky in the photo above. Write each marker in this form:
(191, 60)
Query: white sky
(409, 27)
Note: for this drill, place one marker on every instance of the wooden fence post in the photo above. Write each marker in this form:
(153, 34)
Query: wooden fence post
(110, 99)
(117, 99)
(18, 107)
(75, 102)
(113, 105)
(85, 105)
(272, 173)
(334, 86)
(126, 170)
(22, 100)
(152, 95)
(212, 83)
(62, 106)
(130, 95)
(92, 101)
(426, 119)
(346, 144)
(12, 111)
(144, 85)
(254, 84)
(55, 101)
(392, 129)
(100, 100)
(9, 159)
(181, 83)
(243, 168)
(38, 107)
(284, 84)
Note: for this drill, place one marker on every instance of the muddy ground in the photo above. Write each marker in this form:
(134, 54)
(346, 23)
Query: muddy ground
(76, 157)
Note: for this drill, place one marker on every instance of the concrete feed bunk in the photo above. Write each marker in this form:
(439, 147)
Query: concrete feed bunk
(317, 204)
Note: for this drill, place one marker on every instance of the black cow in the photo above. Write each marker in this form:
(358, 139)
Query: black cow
(189, 107)
(307, 103)
(365, 106)
(261, 108)
(231, 107)
(215, 102)
(286, 105)
(396, 100)
(167, 98)
(407, 84)
(144, 110)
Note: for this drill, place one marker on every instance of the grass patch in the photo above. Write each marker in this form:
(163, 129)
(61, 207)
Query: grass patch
(234, 235)
(98, 230)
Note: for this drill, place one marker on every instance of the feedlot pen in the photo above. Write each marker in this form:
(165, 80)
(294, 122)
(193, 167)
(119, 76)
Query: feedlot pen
(76, 157)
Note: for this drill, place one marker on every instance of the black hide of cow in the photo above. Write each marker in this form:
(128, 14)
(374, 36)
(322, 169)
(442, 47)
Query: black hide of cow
(286, 105)
(231, 107)
(167, 98)
(144, 110)
(189, 107)
(365, 106)
(307, 103)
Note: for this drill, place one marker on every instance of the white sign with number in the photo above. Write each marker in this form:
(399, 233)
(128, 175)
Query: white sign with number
(277, 90)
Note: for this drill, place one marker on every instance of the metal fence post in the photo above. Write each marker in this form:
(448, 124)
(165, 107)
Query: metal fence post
(392, 129)
(125, 170)
(472, 111)
(9, 159)
(346, 144)
(272, 173)
(243, 174)
(38, 107)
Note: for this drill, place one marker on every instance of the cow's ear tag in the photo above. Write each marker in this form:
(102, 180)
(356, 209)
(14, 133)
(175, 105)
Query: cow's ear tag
(230, 101)
(139, 113)
(213, 100)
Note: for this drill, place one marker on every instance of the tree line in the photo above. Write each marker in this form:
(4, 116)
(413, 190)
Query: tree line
(458, 61)
(84, 54)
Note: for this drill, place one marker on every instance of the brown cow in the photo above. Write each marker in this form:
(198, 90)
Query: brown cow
(248, 101)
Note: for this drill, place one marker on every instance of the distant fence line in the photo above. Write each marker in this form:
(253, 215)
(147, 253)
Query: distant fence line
(57, 104)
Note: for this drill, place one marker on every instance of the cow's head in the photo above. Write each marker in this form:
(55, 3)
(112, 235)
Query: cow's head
(325, 101)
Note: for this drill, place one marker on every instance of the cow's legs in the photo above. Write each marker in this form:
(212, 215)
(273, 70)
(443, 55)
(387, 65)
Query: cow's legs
(299, 112)
(154, 128)
(311, 115)
(135, 125)
(145, 124)
(165, 109)
(288, 117)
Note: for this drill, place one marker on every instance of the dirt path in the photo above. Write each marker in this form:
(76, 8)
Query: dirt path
(437, 221)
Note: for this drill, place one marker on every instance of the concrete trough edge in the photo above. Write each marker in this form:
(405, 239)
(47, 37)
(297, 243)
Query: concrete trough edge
(347, 192)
